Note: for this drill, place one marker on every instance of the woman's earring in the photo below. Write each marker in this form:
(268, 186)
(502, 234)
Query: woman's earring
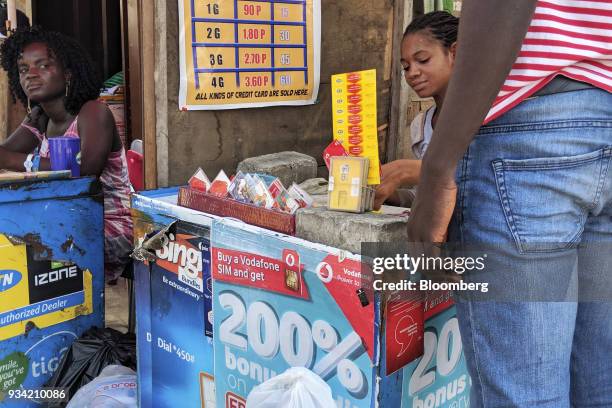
(67, 87)
(29, 106)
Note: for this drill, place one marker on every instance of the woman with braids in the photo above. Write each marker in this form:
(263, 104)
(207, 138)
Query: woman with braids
(428, 55)
(54, 78)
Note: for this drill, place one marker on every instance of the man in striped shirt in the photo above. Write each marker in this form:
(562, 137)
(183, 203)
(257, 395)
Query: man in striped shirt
(520, 167)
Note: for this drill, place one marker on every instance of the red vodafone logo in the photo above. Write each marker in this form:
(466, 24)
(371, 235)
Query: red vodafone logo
(325, 272)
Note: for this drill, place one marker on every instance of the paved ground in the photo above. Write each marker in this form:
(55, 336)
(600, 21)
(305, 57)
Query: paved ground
(117, 305)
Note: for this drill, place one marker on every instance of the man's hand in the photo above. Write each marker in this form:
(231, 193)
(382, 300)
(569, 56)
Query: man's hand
(490, 37)
(431, 215)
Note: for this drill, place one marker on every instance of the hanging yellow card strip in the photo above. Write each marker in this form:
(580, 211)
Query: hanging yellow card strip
(354, 117)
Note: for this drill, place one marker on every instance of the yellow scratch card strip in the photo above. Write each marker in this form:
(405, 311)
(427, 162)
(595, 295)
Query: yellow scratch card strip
(354, 116)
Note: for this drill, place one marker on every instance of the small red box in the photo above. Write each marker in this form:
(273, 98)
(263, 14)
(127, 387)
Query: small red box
(226, 207)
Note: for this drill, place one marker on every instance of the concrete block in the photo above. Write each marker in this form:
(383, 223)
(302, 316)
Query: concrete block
(348, 230)
(289, 167)
(315, 186)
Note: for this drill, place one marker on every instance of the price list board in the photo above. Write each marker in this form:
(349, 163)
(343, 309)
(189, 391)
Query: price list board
(245, 54)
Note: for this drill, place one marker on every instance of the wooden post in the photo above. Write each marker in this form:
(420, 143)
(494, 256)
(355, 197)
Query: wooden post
(11, 114)
(5, 93)
(398, 114)
(147, 11)
(11, 12)
(140, 75)
(4, 105)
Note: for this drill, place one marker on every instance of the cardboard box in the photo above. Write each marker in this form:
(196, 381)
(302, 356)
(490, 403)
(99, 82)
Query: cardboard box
(428, 381)
(281, 302)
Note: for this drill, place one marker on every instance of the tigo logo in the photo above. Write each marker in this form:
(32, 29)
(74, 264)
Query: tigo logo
(9, 279)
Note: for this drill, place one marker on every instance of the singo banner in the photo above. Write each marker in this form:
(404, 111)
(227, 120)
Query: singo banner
(246, 54)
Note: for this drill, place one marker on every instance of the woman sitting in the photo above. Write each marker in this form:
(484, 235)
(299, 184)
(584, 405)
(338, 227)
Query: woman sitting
(428, 57)
(54, 78)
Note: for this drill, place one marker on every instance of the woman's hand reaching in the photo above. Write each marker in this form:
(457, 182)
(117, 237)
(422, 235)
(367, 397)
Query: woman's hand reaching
(394, 175)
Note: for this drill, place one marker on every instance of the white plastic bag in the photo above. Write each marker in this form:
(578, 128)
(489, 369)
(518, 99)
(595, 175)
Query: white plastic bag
(297, 387)
(115, 387)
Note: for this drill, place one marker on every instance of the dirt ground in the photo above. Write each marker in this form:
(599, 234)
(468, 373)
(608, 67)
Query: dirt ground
(116, 303)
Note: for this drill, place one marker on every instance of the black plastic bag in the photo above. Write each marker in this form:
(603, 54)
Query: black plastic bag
(88, 355)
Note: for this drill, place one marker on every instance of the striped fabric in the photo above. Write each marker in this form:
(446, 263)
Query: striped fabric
(117, 217)
(115, 80)
(566, 37)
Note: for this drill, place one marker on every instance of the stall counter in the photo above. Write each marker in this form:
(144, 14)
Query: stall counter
(51, 275)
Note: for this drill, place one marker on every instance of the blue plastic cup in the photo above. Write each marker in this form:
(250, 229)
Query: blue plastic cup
(65, 154)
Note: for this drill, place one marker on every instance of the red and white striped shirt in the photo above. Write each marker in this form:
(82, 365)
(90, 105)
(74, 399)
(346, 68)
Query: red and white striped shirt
(566, 37)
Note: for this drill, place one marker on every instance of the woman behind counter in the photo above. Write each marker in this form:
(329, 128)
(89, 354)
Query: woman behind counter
(428, 55)
(52, 76)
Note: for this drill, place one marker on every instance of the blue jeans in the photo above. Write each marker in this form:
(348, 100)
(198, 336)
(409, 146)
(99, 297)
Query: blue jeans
(535, 190)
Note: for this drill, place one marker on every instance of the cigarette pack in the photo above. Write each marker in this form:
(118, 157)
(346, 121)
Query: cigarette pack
(282, 200)
(199, 181)
(220, 185)
(238, 188)
(266, 178)
(300, 196)
(258, 191)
